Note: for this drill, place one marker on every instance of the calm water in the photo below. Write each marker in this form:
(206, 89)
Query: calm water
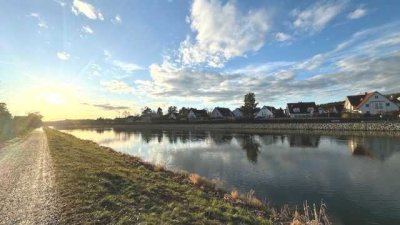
(357, 176)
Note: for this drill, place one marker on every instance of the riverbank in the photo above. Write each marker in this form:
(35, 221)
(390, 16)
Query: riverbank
(99, 185)
(383, 126)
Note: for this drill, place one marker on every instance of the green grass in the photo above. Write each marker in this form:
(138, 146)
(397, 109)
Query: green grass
(98, 185)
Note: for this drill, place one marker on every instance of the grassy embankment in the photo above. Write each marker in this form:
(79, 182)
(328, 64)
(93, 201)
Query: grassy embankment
(99, 185)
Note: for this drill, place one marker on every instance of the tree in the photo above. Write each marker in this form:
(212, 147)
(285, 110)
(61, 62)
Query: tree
(146, 111)
(172, 109)
(250, 105)
(183, 112)
(159, 112)
(5, 115)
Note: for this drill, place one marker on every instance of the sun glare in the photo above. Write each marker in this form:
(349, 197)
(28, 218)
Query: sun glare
(54, 98)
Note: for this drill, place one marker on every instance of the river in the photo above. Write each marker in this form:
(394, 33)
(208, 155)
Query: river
(356, 175)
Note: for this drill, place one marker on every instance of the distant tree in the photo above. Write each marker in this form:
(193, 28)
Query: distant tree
(172, 109)
(159, 112)
(5, 115)
(34, 120)
(183, 112)
(126, 114)
(146, 111)
(250, 105)
(5, 122)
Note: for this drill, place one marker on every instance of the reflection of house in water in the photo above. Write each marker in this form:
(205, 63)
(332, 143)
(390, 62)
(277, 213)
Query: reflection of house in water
(198, 135)
(374, 147)
(250, 145)
(221, 138)
(269, 139)
(303, 141)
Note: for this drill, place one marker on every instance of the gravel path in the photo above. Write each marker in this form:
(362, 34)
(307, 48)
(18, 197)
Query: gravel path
(27, 191)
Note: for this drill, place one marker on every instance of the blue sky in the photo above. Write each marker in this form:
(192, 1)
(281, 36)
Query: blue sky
(91, 58)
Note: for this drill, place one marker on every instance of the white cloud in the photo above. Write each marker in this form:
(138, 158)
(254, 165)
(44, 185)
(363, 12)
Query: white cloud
(282, 37)
(61, 3)
(312, 63)
(41, 22)
(117, 19)
(126, 67)
(358, 13)
(87, 29)
(81, 7)
(222, 32)
(63, 55)
(317, 16)
(117, 86)
(368, 62)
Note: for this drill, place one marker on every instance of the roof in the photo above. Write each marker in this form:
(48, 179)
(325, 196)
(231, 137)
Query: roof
(358, 100)
(365, 99)
(224, 111)
(303, 106)
(199, 113)
(355, 100)
(329, 106)
(270, 108)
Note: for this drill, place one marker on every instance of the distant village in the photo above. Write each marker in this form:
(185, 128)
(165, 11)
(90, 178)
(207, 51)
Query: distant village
(354, 106)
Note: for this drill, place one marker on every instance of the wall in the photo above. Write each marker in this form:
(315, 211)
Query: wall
(371, 126)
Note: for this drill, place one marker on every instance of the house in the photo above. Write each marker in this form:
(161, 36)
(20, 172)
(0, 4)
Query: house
(237, 113)
(222, 113)
(332, 108)
(173, 116)
(195, 114)
(265, 112)
(301, 109)
(131, 119)
(372, 103)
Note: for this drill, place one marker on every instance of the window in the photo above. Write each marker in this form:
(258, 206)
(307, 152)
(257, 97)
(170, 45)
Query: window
(367, 105)
(387, 104)
(376, 96)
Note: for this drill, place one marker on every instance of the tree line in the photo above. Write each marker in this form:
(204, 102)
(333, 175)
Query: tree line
(11, 126)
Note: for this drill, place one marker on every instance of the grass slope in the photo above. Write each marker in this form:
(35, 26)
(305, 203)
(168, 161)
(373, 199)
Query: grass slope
(99, 185)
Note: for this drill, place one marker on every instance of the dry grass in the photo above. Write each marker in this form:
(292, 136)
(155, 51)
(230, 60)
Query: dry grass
(307, 216)
(159, 167)
(196, 179)
(235, 195)
(251, 199)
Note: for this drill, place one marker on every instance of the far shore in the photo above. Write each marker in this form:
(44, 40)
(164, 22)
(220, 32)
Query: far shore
(358, 129)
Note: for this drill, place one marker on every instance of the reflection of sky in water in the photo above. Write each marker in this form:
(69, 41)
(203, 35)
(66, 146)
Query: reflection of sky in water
(356, 176)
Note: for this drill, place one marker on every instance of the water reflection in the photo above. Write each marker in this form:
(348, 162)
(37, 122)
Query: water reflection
(304, 141)
(250, 145)
(352, 174)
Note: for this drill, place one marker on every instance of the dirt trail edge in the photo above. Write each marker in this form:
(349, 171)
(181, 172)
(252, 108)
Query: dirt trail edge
(27, 189)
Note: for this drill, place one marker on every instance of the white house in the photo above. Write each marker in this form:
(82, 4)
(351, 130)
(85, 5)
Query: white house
(195, 114)
(173, 116)
(265, 112)
(301, 109)
(237, 113)
(369, 103)
(222, 113)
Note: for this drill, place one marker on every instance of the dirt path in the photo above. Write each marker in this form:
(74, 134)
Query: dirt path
(27, 191)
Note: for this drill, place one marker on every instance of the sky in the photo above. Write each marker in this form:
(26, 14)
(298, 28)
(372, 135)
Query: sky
(95, 58)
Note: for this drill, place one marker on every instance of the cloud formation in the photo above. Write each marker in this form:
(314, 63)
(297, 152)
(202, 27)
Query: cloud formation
(358, 13)
(87, 30)
(222, 33)
(84, 8)
(368, 61)
(282, 37)
(116, 86)
(63, 55)
(126, 67)
(108, 106)
(41, 22)
(317, 16)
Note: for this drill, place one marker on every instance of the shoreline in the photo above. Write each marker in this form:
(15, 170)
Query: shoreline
(392, 128)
